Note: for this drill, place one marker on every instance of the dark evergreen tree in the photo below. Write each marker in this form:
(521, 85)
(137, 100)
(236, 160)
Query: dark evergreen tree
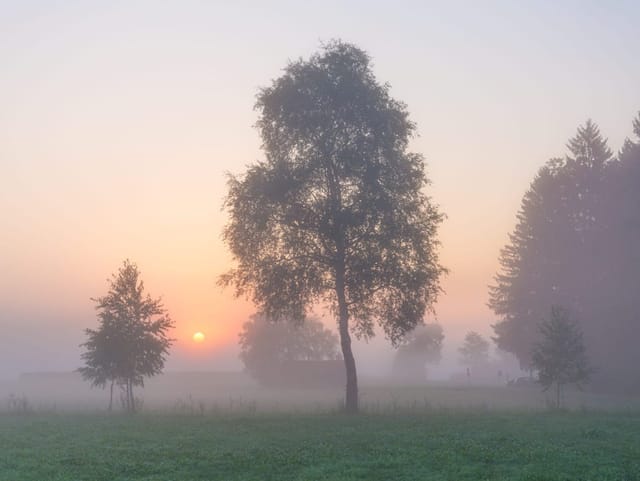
(577, 244)
(614, 346)
(549, 259)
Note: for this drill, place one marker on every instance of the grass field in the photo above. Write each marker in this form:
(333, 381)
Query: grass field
(435, 445)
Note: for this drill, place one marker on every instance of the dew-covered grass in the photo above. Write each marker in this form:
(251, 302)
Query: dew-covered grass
(430, 445)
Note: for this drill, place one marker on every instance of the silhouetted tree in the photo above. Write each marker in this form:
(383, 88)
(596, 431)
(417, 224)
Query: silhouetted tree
(577, 244)
(336, 212)
(475, 350)
(560, 356)
(265, 345)
(100, 359)
(131, 340)
(614, 346)
(419, 347)
(550, 257)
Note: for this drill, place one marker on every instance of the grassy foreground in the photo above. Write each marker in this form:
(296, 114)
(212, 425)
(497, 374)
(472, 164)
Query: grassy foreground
(431, 446)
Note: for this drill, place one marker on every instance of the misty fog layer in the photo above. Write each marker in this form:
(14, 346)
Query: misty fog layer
(120, 119)
(98, 168)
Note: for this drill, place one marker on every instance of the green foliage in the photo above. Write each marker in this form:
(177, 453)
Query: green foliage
(432, 446)
(475, 350)
(265, 345)
(560, 357)
(131, 341)
(336, 212)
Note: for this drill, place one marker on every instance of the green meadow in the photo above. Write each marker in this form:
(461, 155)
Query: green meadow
(434, 444)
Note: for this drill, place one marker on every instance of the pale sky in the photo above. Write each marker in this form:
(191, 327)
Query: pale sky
(118, 121)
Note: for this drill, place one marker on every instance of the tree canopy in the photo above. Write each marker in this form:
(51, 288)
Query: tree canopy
(336, 213)
(265, 345)
(131, 340)
(475, 350)
(419, 347)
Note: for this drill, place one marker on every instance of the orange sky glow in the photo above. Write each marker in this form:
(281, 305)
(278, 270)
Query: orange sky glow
(120, 121)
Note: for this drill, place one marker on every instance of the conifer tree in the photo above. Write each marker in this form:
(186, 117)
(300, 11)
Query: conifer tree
(560, 356)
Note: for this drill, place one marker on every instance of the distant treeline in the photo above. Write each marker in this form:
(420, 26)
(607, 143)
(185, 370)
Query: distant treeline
(577, 245)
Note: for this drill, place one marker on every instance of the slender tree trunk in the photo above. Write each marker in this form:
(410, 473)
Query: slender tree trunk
(111, 396)
(557, 395)
(127, 397)
(351, 399)
(123, 394)
(132, 403)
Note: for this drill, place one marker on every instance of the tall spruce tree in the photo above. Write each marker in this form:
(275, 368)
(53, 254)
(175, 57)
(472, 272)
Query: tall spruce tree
(549, 259)
(577, 244)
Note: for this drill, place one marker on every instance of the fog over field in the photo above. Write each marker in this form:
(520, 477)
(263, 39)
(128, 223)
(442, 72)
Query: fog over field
(234, 393)
(296, 241)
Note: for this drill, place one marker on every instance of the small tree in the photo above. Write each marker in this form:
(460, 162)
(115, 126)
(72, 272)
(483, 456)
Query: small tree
(265, 345)
(421, 346)
(131, 340)
(101, 365)
(475, 350)
(560, 357)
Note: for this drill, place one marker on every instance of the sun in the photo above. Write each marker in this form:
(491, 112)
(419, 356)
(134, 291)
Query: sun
(198, 337)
